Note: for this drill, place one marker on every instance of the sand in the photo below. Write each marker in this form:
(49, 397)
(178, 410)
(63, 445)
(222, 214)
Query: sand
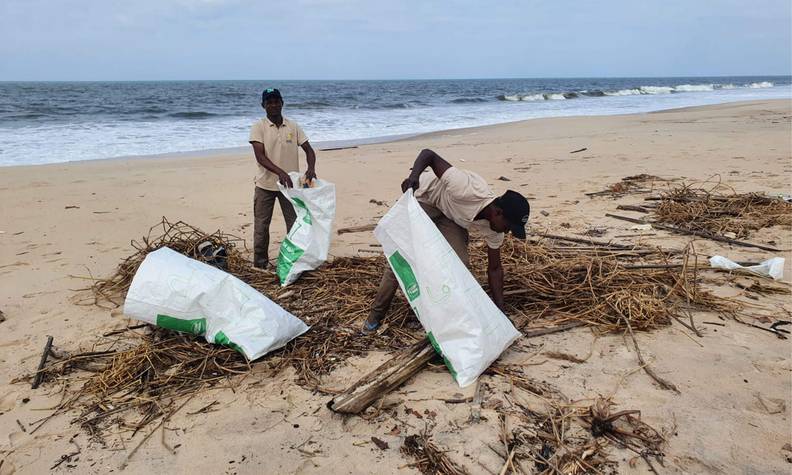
(63, 223)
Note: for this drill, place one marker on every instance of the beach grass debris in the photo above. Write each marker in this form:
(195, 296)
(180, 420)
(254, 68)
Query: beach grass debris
(552, 285)
(430, 459)
(719, 210)
(634, 184)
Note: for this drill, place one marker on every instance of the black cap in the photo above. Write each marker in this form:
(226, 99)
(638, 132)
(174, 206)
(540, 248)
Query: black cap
(270, 93)
(516, 211)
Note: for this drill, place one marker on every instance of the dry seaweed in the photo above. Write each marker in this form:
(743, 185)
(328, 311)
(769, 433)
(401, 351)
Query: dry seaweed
(430, 459)
(721, 211)
(642, 183)
(542, 427)
(548, 285)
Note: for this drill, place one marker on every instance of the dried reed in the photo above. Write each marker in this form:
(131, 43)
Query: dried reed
(430, 459)
(719, 210)
(547, 284)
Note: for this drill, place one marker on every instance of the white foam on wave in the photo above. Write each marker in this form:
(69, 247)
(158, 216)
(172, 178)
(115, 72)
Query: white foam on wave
(656, 90)
(554, 97)
(512, 98)
(760, 85)
(652, 90)
(624, 92)
(694, 88)
(533, 97)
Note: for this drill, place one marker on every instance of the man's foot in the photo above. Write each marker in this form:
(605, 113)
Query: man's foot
(369, 327)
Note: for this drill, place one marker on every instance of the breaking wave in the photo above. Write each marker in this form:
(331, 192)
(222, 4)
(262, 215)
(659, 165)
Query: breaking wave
(468, 100)
(635, 91)
(192, 115)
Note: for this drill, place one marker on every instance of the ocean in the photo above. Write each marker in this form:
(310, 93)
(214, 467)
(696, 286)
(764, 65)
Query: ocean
(53, 122)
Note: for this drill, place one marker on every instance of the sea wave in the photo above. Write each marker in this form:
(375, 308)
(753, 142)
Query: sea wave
(633, 91)
(192, 115)
(391, 105)
(553, 96)
(467, 100)
(310, 105)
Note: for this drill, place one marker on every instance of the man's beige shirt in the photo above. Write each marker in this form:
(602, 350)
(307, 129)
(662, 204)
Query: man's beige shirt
(280, 145)
(460, 195)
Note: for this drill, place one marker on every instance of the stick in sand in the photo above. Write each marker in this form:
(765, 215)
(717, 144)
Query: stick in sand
(39, 372)
(357, 229)
(691, 232)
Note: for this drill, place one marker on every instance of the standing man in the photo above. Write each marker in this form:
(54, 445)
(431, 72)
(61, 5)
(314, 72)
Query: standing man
(457, 201)
(275, 140)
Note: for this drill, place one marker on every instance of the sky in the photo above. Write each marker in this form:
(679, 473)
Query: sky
(405, 39)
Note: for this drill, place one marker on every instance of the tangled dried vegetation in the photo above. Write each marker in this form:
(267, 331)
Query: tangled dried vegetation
(542, 431)
(721, 211)
(133, 376)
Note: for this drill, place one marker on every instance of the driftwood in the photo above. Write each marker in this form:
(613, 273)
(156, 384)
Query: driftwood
(402, 367)
(357, 229)
(384, 379)
(639, 209)
(44, 355)
(584, 241)
(336, 148)
(692, 232)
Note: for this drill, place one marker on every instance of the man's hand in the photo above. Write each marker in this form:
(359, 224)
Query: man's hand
(285, 179)
(410, 182)
(310, 174)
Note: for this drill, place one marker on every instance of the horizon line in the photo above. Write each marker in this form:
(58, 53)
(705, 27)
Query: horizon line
(402, 79)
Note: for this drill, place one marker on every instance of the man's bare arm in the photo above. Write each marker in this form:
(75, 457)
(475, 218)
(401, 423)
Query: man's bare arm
(495, 276)
(264, 161)
(310, 157)
(426, 158)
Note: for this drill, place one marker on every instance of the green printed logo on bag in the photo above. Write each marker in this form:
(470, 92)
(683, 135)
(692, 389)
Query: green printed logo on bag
(196, 326)
(405, 273)
(439, 351)
(289, 253)
(222, 339)
(301, 204)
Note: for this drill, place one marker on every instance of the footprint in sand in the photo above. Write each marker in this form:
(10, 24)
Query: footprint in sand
(15, 264)
(8, 401)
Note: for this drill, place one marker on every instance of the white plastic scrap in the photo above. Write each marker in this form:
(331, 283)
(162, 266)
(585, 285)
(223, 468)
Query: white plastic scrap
(773, 268)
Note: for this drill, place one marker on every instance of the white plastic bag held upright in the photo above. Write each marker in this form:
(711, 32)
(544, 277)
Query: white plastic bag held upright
(306, 245)
(172, 291)
(462, 322)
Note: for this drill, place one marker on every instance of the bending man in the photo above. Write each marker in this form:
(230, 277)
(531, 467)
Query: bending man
(458, 201)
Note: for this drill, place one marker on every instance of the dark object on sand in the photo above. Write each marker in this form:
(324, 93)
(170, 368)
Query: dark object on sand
(39, 372)
(215, 256)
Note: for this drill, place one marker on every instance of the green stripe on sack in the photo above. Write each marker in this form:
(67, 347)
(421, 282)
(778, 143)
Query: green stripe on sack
(406, 275)
(222, 339)
(196, 326)
(439, 351)
(289, 253)
(301, 204)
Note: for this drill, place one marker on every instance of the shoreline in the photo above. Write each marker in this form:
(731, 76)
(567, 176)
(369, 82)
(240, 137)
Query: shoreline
(333, 145)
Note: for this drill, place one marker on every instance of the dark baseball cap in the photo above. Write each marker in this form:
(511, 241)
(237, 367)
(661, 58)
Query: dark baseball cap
(270, 93)
(516, 211)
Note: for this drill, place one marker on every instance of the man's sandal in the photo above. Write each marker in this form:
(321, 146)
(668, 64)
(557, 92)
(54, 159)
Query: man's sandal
(369, 328)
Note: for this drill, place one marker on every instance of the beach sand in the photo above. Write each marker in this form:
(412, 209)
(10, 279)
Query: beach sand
(66, 222)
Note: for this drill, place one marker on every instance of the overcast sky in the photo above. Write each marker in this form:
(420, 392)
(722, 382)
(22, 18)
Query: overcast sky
(357, 39)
